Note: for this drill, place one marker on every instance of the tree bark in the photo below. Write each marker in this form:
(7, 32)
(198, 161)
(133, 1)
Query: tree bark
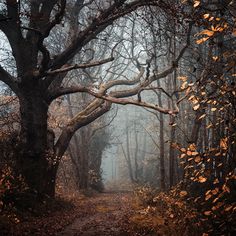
(83, 162)
(36, 158)
(172, 155)
(162, 144)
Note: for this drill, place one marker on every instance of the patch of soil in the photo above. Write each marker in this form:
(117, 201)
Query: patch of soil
(108, 214)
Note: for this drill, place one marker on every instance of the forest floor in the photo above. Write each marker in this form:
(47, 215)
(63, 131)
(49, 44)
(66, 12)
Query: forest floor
(110, 214)
(122, 214)
(107, 215)
(100, 214)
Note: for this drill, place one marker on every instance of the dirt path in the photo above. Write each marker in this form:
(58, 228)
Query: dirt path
(105, 215)
(111, 214)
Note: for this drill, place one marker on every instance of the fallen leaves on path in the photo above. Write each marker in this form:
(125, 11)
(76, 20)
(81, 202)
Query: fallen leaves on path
(108, 214)
(100, 214)
(116, 214)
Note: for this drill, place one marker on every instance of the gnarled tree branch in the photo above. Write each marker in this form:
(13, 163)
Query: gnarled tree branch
(77, 122)
(9, 80)
(79, 66)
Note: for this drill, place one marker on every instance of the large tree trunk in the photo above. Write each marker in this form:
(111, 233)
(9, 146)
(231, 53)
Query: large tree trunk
(36, 158)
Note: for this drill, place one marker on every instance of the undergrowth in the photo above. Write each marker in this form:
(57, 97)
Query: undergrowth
(179, 212)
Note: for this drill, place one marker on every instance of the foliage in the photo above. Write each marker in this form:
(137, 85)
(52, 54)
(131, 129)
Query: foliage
(66, 182)
(165, 214)
(11, 186)
(212, 214)
(95, 181)
(207, 156)
(49, 217)
(145, 194)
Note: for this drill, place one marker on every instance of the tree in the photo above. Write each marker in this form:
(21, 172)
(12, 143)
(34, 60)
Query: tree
(39, 76)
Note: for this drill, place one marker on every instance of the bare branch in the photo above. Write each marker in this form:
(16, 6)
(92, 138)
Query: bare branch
(114, 99)
(103, 88)
(154, 90)
(152, 138)
(124, 82)
(165, 73)
(79, 66)
(8, 79)
(57, 19)
(94, 131)
(107, 17)
(124, 101)
(120, 97)
(4, 18)
(68, 90)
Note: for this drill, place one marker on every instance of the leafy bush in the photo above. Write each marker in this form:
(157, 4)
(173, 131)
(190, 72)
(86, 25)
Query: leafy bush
(145, 194)
(11, 185)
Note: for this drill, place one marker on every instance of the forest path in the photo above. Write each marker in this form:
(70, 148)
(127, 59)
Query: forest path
(104, 215)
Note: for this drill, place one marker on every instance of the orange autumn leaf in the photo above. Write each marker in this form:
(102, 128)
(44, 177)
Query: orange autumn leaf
(196, 107)
(207, 213)
(196, 3)
(202, 40)
(223, 143)
(202, 179)
(228, 208)
(189, 153)
(197, 159)
(183, 193)
(206, 32)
